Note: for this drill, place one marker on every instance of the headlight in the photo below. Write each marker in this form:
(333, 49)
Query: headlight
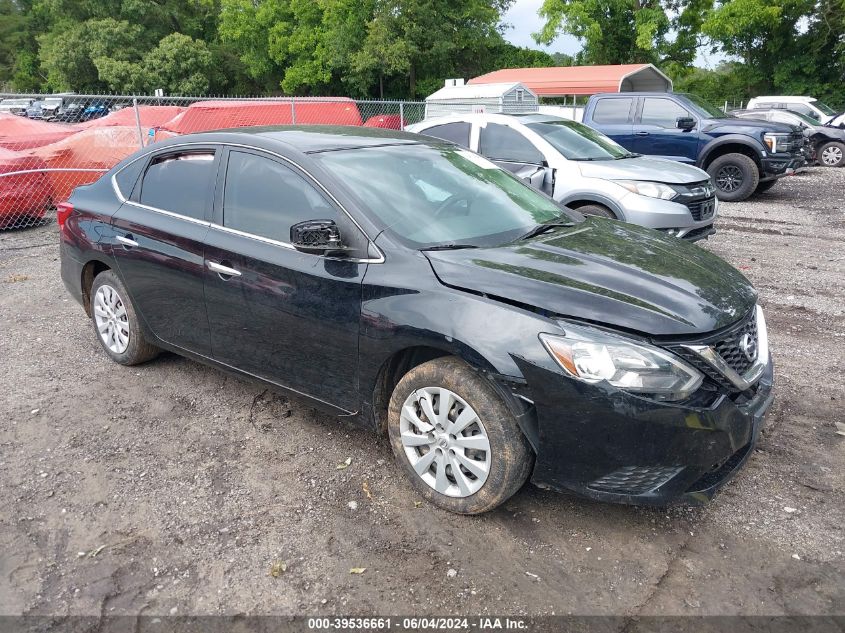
(776, 142)
(594, 356)
(650, 189)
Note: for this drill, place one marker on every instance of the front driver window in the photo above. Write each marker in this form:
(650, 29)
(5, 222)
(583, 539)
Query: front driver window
(663, 113)
(265, 198)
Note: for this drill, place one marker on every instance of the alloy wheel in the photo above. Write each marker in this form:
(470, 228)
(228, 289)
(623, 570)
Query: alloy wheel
(729, 178)
(111, 319)
(445, 441)
(832, 155)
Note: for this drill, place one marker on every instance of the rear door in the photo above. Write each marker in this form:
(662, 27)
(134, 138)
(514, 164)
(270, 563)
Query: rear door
(614, 116)
(158, 244)
(656, 131)
(275, 312)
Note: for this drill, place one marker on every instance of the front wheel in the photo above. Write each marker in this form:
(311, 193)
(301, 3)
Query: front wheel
(597, 210)
(832, 154)
(455, 438)
(735, 176)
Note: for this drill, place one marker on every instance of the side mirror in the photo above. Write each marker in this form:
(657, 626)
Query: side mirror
(685, 123)
(320, 237)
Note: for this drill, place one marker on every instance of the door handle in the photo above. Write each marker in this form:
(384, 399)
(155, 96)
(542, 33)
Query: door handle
(126, 240)
(640, 133)
(222, 270)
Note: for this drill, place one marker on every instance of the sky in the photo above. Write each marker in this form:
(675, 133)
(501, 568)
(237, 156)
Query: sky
(524, 20)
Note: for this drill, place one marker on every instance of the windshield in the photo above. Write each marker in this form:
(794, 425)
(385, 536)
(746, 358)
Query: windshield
(577, 141)
(434, 196)
(704, 107)
(806, 119)
(52, 102)
(826, 109)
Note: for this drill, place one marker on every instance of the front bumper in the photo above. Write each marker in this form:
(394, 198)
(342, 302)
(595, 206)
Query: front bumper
(668, 215)
(777, 165)
(612, 446)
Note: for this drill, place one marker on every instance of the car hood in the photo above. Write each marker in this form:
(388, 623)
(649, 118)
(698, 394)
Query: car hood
(642, 168)
(730, 124)
(608, 272)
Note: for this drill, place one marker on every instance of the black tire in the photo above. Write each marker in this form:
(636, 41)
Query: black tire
(765, 186)
(738, 175)
(138, 350)
(511, 458)
(597, 210)
(832, 154)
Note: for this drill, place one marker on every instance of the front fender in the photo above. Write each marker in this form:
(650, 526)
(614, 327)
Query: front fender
(730, 139)
(593, 197)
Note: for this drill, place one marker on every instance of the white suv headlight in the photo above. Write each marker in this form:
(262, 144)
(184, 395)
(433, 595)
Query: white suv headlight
(648, 188)
(594, 356)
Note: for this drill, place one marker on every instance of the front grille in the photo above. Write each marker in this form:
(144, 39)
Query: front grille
(727, 345)
(730, 351)
(635, 480)
(702, 209)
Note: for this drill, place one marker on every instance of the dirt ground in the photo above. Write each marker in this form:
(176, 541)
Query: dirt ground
(171, 488)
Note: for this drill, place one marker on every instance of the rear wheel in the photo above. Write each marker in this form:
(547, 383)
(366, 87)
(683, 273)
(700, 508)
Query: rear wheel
(832, 154)
(735, 176)
(455, 438)
(116, 322)
(598, 210)
(765, 186)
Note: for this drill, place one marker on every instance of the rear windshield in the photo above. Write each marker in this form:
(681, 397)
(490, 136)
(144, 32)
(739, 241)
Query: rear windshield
(577, 141)
(437, 195)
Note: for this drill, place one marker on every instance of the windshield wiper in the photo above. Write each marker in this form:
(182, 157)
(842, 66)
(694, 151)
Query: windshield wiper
(542, 228)
(628, 155)
(448, 247)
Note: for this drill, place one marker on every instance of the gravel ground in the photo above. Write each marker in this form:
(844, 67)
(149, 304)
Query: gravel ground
(173, 488)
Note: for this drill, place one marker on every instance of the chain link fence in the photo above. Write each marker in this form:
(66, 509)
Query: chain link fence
(50, 144)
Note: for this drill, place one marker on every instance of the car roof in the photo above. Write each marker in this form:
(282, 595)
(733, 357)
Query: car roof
(308, 139)
(783, 99)
(533, 117)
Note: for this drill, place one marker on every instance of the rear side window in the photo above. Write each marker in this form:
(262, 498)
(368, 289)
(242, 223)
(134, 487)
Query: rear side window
(662, 113)
(127, 177)
(500, 142)
(452, 132)
(613, 111)
(265, 198)
(179, 183)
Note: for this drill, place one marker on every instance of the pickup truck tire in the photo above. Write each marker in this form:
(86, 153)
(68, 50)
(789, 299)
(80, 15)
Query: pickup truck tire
(597, 209)
(765, 186)
(735, 176)
(832, 154)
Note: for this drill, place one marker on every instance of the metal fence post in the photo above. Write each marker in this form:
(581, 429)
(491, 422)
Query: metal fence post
(402, 115)
(293, 110)
(138, 122)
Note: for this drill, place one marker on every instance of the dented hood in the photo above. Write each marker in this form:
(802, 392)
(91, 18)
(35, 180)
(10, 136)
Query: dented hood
(608, 272)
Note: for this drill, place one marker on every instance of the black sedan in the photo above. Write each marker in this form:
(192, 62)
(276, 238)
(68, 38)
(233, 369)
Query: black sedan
(416, 288)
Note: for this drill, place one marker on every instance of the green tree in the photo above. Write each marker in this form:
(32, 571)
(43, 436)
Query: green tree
(179, 64)
(626, 31)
